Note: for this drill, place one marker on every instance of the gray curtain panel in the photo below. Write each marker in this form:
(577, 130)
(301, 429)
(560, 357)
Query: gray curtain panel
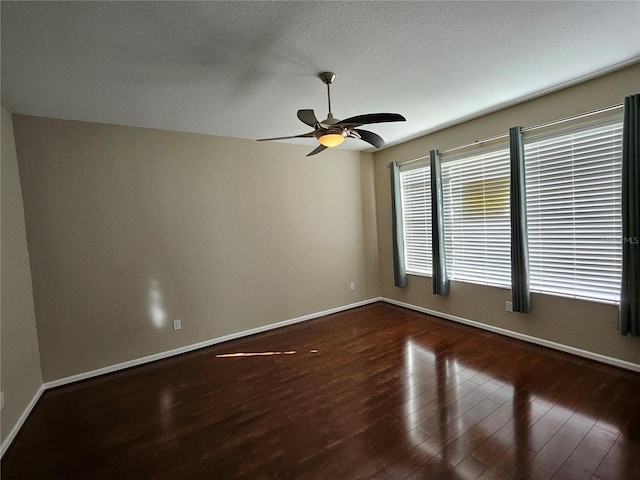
(520, 296)
(439, 280)
(399, 269)
(629, 298)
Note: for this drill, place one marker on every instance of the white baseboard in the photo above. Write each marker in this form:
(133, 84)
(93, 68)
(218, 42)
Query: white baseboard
(189, 348)
(521, 336)
(21, 419)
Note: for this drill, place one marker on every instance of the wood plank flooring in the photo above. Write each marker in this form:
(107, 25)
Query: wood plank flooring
(378, 392)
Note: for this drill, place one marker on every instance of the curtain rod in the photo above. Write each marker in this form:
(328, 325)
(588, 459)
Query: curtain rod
(527, 129)
(574, 117)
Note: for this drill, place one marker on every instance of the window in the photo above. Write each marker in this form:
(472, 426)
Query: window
(415, 190)
(477, 227)
(573, 186)
(574, 211)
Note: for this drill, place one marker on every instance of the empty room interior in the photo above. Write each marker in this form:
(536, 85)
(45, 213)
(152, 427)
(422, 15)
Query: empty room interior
(427, 266)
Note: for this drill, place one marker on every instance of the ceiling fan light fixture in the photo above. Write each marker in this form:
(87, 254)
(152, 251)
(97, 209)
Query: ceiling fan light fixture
(331, 131)
(331, 139)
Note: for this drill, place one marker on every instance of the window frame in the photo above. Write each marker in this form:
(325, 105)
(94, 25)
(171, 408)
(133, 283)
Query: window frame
(412, 248)
(539, 269)
(495, 268)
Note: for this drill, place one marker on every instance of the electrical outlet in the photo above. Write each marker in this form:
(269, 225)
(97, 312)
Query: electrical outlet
(353, 285)
(1, 400)
(177, 325)
(508, 306)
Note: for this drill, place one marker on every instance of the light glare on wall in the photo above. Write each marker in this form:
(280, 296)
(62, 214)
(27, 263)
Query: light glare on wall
(156, 307)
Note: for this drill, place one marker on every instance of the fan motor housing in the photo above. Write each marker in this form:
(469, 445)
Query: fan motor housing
(327, 122)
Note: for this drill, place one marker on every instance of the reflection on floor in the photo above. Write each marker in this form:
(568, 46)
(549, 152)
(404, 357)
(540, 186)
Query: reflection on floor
(472, 418)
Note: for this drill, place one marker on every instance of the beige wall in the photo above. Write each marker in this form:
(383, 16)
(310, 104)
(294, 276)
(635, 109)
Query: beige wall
(131, 228)
(20, 376)
(580, 324)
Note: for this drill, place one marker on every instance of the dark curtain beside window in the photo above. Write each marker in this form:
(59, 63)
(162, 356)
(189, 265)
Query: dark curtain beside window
(629, 305)
(399, 269)
(520, 296)
(439, 280)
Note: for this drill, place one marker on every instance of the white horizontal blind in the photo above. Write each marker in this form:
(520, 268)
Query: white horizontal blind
(416, 216)
(574, 211)
(477, 228)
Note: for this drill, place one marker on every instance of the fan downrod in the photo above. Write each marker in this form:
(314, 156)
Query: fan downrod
(328, 78)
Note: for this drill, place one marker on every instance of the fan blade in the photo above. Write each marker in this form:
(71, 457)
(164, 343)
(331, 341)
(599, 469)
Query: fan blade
(367, 136)
(370, 118)
(304, 135)
(308, 117)
(317, 150)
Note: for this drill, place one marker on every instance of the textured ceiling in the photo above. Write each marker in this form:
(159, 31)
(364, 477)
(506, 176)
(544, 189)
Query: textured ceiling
(243, 69)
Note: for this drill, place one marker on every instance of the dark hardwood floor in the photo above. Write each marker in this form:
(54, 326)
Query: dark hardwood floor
(378, 392)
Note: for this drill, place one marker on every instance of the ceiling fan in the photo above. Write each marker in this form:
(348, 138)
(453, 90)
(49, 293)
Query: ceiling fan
(331, 131)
